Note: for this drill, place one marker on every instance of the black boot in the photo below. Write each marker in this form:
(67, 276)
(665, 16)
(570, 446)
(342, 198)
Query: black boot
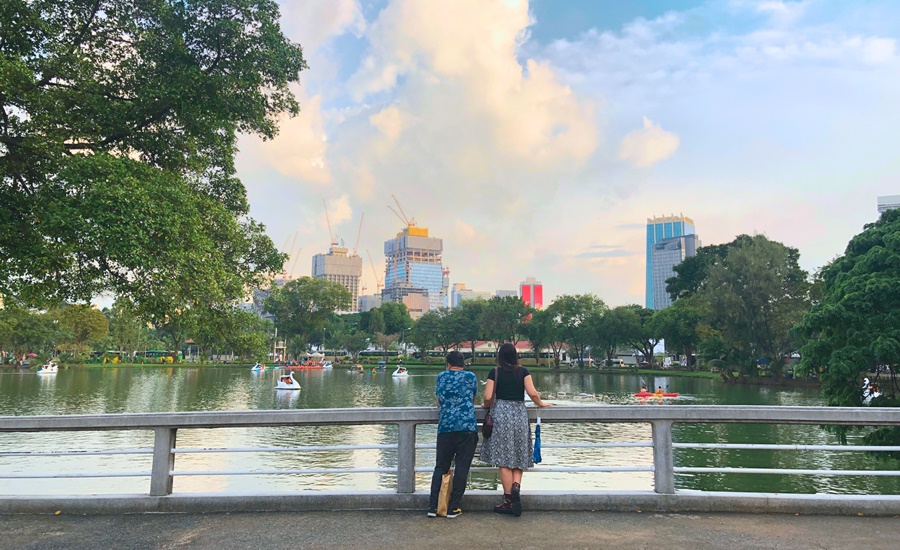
(506, 506)
(516, 499)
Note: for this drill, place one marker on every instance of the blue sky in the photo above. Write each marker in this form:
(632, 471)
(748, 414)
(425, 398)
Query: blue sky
(537, 138)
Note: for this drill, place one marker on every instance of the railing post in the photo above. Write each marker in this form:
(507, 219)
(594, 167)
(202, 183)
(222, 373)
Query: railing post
(163, 462)
(663, 459)
(406, 458)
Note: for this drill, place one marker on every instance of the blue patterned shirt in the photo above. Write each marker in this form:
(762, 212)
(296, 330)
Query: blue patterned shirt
(456, 391)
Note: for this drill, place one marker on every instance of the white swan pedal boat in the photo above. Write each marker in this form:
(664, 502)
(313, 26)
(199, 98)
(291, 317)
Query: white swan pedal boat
(400, 372)
(287, 382)
(49, 368)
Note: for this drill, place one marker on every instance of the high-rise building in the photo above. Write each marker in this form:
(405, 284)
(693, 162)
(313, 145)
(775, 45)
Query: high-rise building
(532, 292)
(888, 202)
(507, 293)
(369, 301)
(413, 273)
(668, 253)
(461, 293)
(338, 267)
(659, 228)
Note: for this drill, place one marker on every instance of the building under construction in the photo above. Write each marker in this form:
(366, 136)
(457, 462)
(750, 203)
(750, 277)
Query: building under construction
(413, 271)
(413, 274)
(339, 267)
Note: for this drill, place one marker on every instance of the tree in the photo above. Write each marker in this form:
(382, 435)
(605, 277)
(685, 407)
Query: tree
(83, 324)
(692, 273)
(855, 328)
(425, 332)
(570, 313)
(396, 317)
(125, 329)
(644, 339)
(465, 325)
(355, 342)
(543, 332)
(302, 306)
(502, 317)
(613, 327)
(118, 131)
(229, 327)
(384, 341)
(679, 325)
(756, 295)
(23, 330)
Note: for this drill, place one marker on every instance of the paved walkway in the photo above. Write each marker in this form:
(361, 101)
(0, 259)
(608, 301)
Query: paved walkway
(479, 530)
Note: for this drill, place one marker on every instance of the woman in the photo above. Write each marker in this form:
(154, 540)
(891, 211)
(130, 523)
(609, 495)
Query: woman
(509, 447)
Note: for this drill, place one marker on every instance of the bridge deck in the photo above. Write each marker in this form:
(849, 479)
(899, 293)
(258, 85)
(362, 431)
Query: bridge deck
(404, 529)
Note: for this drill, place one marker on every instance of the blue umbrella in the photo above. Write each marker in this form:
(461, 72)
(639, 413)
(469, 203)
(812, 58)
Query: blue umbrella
(537, 442)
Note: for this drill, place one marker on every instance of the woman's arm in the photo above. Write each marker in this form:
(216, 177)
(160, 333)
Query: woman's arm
(488, 394)
(533, 393)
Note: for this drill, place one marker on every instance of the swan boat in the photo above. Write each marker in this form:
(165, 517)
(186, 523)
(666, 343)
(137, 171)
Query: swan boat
(400, 372)
(287, 382)
(258, 368)
(49, 368)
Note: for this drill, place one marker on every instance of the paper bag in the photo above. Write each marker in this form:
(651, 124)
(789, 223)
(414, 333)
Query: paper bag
(444, 495)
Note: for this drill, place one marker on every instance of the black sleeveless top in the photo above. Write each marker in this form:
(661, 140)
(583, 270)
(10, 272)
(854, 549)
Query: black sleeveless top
(511, 384)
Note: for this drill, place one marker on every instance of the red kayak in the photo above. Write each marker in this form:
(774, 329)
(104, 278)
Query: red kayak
(648, 394)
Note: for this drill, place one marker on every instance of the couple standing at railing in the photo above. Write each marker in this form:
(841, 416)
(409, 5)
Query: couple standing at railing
(509, 446)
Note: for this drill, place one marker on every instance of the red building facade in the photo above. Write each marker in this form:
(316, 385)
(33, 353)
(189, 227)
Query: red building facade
(532, 293)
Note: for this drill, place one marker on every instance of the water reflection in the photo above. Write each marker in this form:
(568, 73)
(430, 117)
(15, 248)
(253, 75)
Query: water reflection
(116, 390)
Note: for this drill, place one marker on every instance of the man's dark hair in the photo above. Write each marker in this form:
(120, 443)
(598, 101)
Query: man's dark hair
(456, 359)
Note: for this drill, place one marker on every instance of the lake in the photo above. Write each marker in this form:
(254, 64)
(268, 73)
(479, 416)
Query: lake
(172, 389)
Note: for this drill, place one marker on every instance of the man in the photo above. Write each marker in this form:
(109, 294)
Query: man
(457, 437)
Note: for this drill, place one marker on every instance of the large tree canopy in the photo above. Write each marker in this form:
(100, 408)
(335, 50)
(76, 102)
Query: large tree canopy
(118, 130)
(855, 328)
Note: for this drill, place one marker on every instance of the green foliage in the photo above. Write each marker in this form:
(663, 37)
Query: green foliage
(463, 324)
(543, 332)
(23, 330)
(117, 140)
(679, 325)
(691, 275)
(572, 314)
(855, 327)
(502, 318)
(756, 295)
(82, 325)
(125, 328)
(355, 342)
(643, 337)
(611, 328)
(302, 307)
(426, 333)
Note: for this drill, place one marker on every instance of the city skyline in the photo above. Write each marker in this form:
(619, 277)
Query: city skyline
(542, 150)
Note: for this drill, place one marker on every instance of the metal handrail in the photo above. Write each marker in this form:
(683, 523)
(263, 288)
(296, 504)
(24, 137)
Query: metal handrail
(660, 418)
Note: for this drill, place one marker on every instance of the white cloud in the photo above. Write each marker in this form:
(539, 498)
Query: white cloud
(300, 148)
(313, 22)
(390, 121)
(647, 146)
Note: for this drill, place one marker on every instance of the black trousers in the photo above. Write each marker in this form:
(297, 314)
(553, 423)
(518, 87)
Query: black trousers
(450, 445)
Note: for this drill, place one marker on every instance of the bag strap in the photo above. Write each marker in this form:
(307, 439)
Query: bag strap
(494, 395)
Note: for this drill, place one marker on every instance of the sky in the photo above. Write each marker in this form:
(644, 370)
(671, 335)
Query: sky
(536, 138)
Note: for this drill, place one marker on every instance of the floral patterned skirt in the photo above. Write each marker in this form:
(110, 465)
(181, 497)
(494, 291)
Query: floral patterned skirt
(510, 444)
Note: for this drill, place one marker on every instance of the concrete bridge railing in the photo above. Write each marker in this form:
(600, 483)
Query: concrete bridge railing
(664, 497)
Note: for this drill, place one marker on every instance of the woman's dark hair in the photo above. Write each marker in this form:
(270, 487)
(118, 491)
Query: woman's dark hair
(507, 356)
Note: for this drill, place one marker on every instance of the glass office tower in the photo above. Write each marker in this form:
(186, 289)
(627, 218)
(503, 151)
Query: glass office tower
(413, 273)
(658, 229)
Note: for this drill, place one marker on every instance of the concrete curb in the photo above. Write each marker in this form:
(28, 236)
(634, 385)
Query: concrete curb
(756, 503)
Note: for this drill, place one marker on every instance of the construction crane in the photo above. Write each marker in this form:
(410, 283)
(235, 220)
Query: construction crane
(379, 283)
(410, 222)
(331, 241)
(284, 272)
(358, 234)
